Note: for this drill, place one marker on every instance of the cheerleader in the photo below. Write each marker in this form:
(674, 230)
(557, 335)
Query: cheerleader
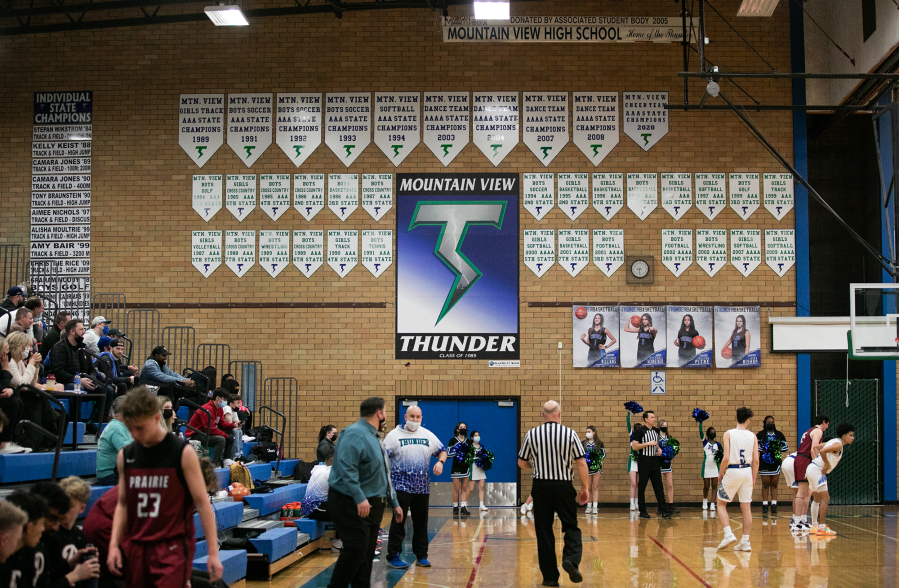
(709, 466)
(593, 443)
(632, 463)
(667, 473)
(478, 475)
(770, 471)
(460, 470)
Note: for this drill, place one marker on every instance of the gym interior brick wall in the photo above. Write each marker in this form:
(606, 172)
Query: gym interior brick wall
(142, 217)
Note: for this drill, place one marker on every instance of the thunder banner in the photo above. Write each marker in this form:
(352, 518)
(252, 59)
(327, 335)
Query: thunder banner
(457, 266)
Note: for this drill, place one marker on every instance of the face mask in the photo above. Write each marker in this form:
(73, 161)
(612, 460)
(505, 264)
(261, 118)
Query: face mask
(711, 436)
(167, 413)
(222, 404)
(381, 424)
(78, 339)
(25, 354)
(589, 434)
(463, 432)
(105, 329)
(664, 429)
(769, 426)
(412, 426)
(476, 438)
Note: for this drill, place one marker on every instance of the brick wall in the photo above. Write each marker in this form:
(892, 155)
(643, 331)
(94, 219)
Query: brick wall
(142, 216)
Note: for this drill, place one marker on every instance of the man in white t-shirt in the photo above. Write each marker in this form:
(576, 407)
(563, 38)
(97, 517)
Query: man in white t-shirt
(829, 455)
(736, 477)
(410, 448)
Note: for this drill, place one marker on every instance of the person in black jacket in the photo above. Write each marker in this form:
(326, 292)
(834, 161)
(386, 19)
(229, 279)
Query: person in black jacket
(54, 333)
(109, 367)
(66, 362)
(62, 567)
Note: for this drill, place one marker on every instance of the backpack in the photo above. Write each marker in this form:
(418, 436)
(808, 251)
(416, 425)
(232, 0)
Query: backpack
(303, 471)
(240, 473)
(261, 434)
(265, 451)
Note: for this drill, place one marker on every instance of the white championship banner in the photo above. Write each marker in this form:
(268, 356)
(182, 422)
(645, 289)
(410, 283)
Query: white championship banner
(299, 125)
(347, 124)
(745, 250)
(377, 251)
(240, 195)
(711, 250)
(608, 250)
(545, 129)
(568, 29)
(574, 250)
(447, 120)
(574, 193)
(779, 195)
(397, 124)
(711, 194)
(343, 194)
(744, 194)
(645, 117)
(677, 250)
(539, 250)
(274, 194)
(608, 194)
(201, 125)
(249, 125)
(642, 194)
(206, 251)
(309, 194)
(495, 127)
(343, 251)
(207, 195)
(595, 123)
(240, 251)
(274, 251)
(780, 250)
(377, 194)
(308, 251)
(677, 193)
(538, 194)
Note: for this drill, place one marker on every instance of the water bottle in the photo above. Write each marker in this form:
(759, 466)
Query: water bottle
(77, 384)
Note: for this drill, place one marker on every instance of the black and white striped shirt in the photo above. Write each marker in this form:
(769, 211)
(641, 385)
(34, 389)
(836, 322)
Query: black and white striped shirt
(645, 436)
(552, 448)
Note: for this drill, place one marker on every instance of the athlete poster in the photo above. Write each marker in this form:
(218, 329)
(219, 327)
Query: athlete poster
(643, 336)
(595, 337)
(737, 337)
(457, 266)
(690, 336)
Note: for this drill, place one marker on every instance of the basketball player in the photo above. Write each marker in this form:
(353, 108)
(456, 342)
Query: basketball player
(736, 477)
(829, 455)
(598, 338)
(646, 336)
(684, 342)
(738, 340)
(804, 456)
(160, 483)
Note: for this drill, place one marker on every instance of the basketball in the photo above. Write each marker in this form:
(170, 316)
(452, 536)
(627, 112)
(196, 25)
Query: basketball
(727, 353)
(580, 313)
(635, 320)
(699, 342)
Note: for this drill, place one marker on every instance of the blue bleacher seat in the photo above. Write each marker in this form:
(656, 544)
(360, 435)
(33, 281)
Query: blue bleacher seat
(96, 493)
(276, 543)
(224, 476)
(248, 447)
(184, 413)
(260, 471)
(227, 515)
(202, 549)
(273, 501)
(68, 438)
(233, 562)
(287, 466)
(315, 529)
(26, 467)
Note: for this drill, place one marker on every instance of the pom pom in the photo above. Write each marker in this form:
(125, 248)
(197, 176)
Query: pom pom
(670, 448)
(483, 458)
(594, 460)
(700, 415)
(719, 454)
(464, 453)
(770, 452)
(633, 407)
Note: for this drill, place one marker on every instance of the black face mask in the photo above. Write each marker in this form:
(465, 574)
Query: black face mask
(167, 413)
(664, 429)
(78, 340)
(381, 424)
(769, 426)
(711, 436)
(463, 432)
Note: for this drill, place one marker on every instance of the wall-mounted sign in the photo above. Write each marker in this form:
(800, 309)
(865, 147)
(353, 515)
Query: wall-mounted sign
(397, 119)
(274, 194)
(645, 117)
(711, 250)
(574, 194)
(744, 194)
(495, 126)
(201, 125)
(347, 124)
(574, 250)
(299, 125)
(249, 125)
(446, 119)
(711, 194)
(240, 195)
(206, 251)
(642, 194)
(343, 251)
(308, 251)
(595, 120)
(608, 250)
(778, 194)
(309, 194)
(377, 194)
(538, 194)
(540, 250)
(545, 123)
(207, 195)
(343, 194)
(240, 251)
(377, 251)
(677, 193)
(745, 250)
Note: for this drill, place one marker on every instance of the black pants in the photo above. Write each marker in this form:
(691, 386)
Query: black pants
(96, 417)
(418, 504)
(359, 536)
(650, 469)
(12, 407)
(551, 497)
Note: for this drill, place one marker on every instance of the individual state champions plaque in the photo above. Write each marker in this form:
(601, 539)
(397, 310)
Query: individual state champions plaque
(574, 250)
(574, 193)
(249, 125)
(677, 250)
(343, 194)
(447, 120)
(677, 194)
(299, 125)
(495, 130)
(745, 250)
(397, 124)
(780, 250)
(274, 194)
(744, 194)
(711, 194)
(608, 250)
(348, 124)
(207, 195)
(779, 194)
(309, 194)
(711, 250)
(377, 194)
(642, 194)
(545, 124)
(201, 125)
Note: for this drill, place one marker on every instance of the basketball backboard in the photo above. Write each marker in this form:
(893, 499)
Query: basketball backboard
(873, 326)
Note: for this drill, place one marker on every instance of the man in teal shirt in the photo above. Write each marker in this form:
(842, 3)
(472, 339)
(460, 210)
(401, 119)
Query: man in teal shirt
(360, 487)
(114, 437)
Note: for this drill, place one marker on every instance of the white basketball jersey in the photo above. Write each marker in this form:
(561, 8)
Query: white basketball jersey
(832, 458)
(742, 443)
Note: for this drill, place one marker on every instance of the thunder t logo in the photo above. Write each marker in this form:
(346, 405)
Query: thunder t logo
(454, 219)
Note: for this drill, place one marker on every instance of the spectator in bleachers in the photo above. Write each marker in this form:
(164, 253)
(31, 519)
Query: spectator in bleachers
(54, 333)
(12, 519)
(25, 564)
(70, 537)
(11, 407)
(114, 436)
(231, 417)
(220, 438)
(61, 568)
(15, 298)
(327, 437)
(24, 362)
(315, 505)
(99, 328)
(168, 413)
(65, 358)
(22, 320)
(108, 366)
(157, 373)
(36, 306)
(118, 353)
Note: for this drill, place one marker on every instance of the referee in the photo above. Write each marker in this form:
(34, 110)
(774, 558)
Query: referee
(649, 468)
(553, 448)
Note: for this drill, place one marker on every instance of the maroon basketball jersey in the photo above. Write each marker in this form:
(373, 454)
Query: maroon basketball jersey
(159, 503)
(805, 443)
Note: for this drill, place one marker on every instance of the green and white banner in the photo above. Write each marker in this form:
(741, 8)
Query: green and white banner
(677, 193)
(711, 250)
(745, 250)
(642, 194)
(538, 194)
(447, 120)
(744, 194)
(780, 250)
(377, 251)
(309, 194)
(574, 194)
(274, 194)
(397, 124)
(207, 195)
(308, 251)
(240, 251)
(568, 29)
(347, 124)
(274, 251)
(711, 194)
(299, 130)
(343, 194)
(645, 117)
(201, 125)
(249, 125)
(574, 250)
(545, 124)
(595, 123)
(495, 130)
(206, 251)
(608, 250)
(240, 195)
(539, 250)
(677, 250)
(377, 194)
(608, 194)
(343, 251)
(778, 194)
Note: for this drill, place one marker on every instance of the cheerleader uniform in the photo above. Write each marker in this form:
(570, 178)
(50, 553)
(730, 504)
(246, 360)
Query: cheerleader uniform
(666, 465)
(596, 339)
(602, 452)
(765, 468)
(631, 459)
(709, 467)
(477, 473)
(459, 469)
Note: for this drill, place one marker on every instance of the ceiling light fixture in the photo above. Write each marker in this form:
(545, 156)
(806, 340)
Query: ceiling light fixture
(757, 7)
(491, 10)
(226, 16)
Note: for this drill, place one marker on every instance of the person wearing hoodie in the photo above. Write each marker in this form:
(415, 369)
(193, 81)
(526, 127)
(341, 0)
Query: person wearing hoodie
(220, 439)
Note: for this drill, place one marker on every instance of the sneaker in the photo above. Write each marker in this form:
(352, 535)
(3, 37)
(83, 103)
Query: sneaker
(826, 532)
(633, 506)
(728, 539)
(524, 508)
(422, 563)
(464, 510)
(645, 515)
(764, 509)
(228, 463)
(674, 510)
(530, 507)
(773, 509)
(248, 438)
(336, 544)
(574, 574)
(13, 447)
(456, 510)
(396, 563)
(813, 530)
(742, 546)
(705, 506)
(713, 506)
(483, 507)
(378, 553)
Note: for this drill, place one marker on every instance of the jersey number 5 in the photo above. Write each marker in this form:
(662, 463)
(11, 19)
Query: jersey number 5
(742, 458)
(144, 500)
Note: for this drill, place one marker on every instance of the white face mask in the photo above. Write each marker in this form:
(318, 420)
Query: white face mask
(589, 434)
(476, 438)
(412, 426)
(24, 354)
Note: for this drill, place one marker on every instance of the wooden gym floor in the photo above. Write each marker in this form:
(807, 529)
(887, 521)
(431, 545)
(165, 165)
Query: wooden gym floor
(498, 549)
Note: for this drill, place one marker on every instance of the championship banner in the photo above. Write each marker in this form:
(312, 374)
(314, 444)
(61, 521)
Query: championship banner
(495, 130)
(711, 250)
(594, 335)
(642, 194)
(201, 125)
(643, 337)
(377, 194)
(343, 251)
(206, 251)
(780, 250)
(457, 266)
(545, 124)
(608, 194)
(608, 250)
(745, 250)
(737, 337)
(240, 195)
(309, 194)
(744, 194)
(249, 125)
(240, 251)
(568, 29)
(377, 251)
(538, 194)
(779, 196)
(207, 195)
(274, 251)
(677, 250)
(595, 124)
(447, 119)
(539, 250)
(711, 194)
(574, 250)
(274, 194)
(299, 130)
(397, 124)
(573, 194)
(348, 124)
(645, 117)
(343, 194)
(690, 332)
(308, 251)
(677, 194)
